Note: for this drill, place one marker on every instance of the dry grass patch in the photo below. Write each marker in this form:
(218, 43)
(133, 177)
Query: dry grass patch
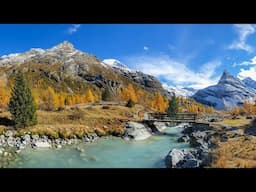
(79, 121)
(236, 153)
(236, 122)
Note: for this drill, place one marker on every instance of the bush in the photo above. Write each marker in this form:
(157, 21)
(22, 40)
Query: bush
(130, 103)
(105, 107)
(53, 135)
(106, 95)
(78, 114)
(61, 109)
(63, 134)
(100, 132)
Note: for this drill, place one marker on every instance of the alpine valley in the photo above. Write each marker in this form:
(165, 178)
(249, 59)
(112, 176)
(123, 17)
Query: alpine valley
(99, 113)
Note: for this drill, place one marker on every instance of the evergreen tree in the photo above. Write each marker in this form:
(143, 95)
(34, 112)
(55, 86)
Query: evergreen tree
(130, 103)
(173, 107)
(106, 95)
(22, 105)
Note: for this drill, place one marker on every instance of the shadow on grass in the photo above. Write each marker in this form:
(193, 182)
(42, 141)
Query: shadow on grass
(6, 121)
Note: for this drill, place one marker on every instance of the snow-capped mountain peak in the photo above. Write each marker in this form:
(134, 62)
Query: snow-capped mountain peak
(229, 92)
(115, 64)
(63, 50)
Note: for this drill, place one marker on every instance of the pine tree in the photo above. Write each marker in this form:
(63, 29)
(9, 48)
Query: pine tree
(130, 103)
(106, 95)
(22, 105)
(173, 107)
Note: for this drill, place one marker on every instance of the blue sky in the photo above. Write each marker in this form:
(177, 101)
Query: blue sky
(193, 55)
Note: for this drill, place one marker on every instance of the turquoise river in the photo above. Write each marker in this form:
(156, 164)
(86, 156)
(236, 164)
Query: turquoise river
(109, 152)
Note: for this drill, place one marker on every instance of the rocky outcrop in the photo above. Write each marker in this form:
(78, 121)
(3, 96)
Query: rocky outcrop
(136, 131)
(182, 158)
(200, 139)
(229, 92)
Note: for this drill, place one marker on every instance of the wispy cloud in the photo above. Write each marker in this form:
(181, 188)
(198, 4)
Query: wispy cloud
(244, 31)
(73, 28)
(251, 72)
(251, 62)
(145, 48)
(178, 73)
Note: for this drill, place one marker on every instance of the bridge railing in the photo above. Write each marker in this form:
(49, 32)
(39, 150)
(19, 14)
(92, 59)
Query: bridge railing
(179, 116)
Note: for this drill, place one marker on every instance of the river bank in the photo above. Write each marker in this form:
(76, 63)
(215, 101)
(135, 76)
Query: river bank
(104, 152)
(201, 141)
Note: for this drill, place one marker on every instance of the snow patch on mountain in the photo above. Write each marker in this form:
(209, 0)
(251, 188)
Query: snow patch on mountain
(115, 64)
(178, 90)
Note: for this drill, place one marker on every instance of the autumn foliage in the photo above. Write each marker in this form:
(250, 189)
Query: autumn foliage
(159, 103)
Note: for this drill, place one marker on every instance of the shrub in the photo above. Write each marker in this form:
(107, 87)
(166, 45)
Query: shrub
(130, 103)
(106, 95)
(105, 107)
(100, 132)
(78, 114)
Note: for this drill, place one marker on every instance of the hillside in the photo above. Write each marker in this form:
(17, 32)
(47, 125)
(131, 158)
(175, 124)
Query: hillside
(71, 74)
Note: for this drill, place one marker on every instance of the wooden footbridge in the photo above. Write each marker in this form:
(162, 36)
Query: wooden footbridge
(150, 118)
(163, 117)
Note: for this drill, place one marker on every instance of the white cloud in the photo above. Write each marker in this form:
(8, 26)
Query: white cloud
(176, 72)
(243, 30)
(73, 28)
(145, 48)
(251, 62)
(251, 72)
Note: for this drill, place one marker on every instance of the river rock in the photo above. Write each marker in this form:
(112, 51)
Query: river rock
(184, 138)
(5, 154)
(35, 137)
(160, 125)
(188, 163)
(26, 138)
(42, 144)
(136, 131)
(181, 158)
(10, 141)
(9, 133)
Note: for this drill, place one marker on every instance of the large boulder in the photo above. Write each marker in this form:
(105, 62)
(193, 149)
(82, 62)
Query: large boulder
(182, 158)
(137, 131)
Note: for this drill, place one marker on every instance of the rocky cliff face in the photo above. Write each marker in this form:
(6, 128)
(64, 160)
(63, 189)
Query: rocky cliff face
(66, 65)
(229, 92)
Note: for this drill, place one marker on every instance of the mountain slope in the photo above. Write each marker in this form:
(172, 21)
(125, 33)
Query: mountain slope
(249, 82)
(229, 92)
(70, 70)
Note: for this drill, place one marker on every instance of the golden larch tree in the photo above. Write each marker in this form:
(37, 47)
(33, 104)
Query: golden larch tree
(132, 93)
(89, 96)
(158, 103)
